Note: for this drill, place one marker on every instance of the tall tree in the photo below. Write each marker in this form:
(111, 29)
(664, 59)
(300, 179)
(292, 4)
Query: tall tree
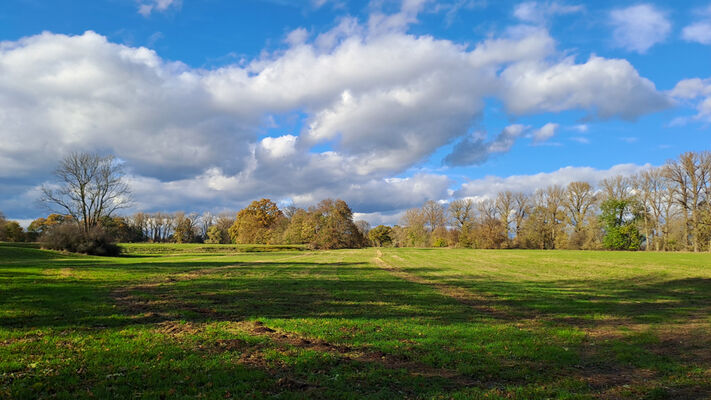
(434, 216)
(414, 227)
(578, 201)
(505, 205)
(90, 187)
(522, 209)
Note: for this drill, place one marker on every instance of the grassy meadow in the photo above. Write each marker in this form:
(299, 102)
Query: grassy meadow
(215, 322)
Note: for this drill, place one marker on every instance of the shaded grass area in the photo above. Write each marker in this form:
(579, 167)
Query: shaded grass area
(395, 323)
(136, 249)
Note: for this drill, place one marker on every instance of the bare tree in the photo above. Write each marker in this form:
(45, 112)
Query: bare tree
(618, 187)
(434, 215)
(207, 219)
(522, 209)
(505, 207)
(90, 187)
(579, 199)
(461, 212)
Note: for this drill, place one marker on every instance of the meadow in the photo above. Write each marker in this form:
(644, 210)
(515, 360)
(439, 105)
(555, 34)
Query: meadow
(191, 321)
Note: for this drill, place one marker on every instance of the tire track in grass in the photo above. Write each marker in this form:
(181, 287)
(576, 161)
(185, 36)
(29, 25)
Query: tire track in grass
(463, 296)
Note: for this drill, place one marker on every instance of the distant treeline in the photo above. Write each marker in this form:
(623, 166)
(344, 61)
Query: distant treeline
(664, 209)
(327, 225)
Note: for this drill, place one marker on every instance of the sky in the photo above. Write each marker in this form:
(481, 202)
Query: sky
(211, 104)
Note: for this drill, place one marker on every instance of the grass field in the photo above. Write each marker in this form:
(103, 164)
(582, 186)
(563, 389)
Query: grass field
(192, 322)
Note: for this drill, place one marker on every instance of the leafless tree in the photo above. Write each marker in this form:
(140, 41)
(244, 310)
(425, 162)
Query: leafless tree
(505, 205)
(579, 199)
(434, 215)
(461, 212)
(90, 187)
(522, 208)
(618, 187)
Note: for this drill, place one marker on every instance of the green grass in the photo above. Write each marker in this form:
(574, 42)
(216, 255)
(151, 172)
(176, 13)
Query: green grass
(221, 321)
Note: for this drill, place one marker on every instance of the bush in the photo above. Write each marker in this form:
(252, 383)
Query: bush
(70, 237)
(440, 242)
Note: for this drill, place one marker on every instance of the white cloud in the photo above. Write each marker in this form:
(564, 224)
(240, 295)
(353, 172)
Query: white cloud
(694, 90)
(699, 32)
(639, 27)
(145, 8)
(279, 147)
(489, 186)
(297, 36)
(381, 99)
(546, 132)
(605, 87)
(582, 128)
(213, 188)
(539, 12)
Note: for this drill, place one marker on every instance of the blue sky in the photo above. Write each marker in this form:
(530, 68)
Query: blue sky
(384, 103)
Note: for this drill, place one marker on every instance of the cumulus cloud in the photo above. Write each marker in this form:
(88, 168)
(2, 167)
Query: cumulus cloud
(639, 27)
(475, 150)
(230, 192)
(145, 8)
(607, 88)
(537, 12)
(697, 91)
(381, 99)
(489, 186)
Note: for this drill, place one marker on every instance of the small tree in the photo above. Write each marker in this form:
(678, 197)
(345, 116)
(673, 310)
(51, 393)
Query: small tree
(90, 187)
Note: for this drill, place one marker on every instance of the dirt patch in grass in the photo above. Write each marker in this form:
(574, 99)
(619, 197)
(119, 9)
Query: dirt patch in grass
(347, 353)
(177, 328)
(253, 354)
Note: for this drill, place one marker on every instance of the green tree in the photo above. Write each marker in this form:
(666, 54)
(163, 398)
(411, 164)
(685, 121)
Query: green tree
(381, 235)
(619, 219)
(216, 235)
(12, 232)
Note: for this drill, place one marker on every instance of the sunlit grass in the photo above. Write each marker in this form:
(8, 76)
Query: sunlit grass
(189, 321)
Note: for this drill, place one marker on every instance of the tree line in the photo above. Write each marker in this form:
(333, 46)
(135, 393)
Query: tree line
(667, 208)
(326, 225)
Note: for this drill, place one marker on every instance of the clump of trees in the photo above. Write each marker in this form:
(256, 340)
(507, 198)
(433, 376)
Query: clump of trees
(664, 208)
(327, 225)
(11, 231)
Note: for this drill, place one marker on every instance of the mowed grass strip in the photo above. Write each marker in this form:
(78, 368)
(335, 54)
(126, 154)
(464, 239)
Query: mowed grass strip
(396, 323)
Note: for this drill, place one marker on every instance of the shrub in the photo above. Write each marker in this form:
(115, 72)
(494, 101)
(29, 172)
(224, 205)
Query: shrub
(70, 237)
(440, 242)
